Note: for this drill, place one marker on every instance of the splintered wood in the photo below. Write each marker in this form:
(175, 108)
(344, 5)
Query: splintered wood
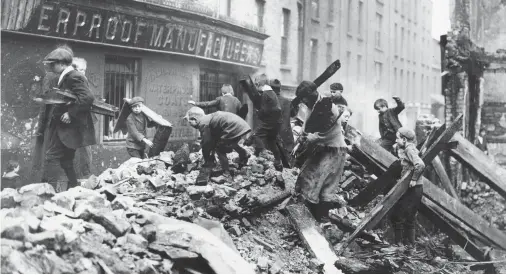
(312, 236)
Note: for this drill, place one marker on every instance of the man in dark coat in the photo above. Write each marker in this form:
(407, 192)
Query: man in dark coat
(227, 102)
(70, 125)
(286, 127)
(269, 125)
(220, 132)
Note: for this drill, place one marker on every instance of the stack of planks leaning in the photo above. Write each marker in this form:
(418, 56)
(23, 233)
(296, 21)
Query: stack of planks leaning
(440, 204)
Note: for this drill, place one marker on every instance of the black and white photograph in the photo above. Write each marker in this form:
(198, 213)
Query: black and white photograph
(253, 137)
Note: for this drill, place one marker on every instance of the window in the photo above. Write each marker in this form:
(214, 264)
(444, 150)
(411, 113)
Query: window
(260, 13)
(402, 43)
(407, 88)
(121, 80)
(417, 3)
(422, 84)
(378, 74)
(331, 10)
(396, 40)
(396, 5)
(348, 15)
(329, 54)
(413, 83)
(359, 68)
(300, 41)
(413, 50)
(313, 45)
(407, 51)
(301, 16)
(211, 82)
(401, 83)
(379, 27)
(395, 81)
(360, 17)
(285, 30)
(315, 9)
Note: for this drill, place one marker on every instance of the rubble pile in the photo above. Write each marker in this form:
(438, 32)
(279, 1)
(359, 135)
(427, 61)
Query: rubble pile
(485, 201)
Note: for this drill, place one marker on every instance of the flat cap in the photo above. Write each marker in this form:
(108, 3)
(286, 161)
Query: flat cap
(407, 133)
(60, 54)
(305, 88)
(136, 100)
(336, 87)
(194, 112)
(275, 83)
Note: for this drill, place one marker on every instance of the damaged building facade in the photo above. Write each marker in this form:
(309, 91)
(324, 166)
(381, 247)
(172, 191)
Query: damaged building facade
(168, 53)
(474, 58)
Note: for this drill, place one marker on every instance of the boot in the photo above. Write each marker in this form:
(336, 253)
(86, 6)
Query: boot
(52, 172)
(398, 232)
(410, 236)
(71, 175)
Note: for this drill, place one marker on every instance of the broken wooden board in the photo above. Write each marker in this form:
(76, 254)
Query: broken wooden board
(459, 211)
(126, 111)
(98, 106)
(472, 157)
(375, 216)
(312, 237)
(428, 210)
(443, 177)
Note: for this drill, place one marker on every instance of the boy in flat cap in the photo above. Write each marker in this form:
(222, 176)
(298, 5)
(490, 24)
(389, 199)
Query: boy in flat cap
(403, 215)
(70, 125)
(323, 165)
(389, 121)
(220, 132)
(336, 93)
(136, 124)
(227, 102)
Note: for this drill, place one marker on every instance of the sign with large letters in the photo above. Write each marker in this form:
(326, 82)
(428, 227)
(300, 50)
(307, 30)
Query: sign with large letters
(170, 34)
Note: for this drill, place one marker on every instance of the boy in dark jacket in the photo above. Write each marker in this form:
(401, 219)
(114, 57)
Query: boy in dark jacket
(388, 121)
(227, 102)
(336, 93)
(286, 127)
(137, 123)
(404, 213)
(70, 126)
(220, 132)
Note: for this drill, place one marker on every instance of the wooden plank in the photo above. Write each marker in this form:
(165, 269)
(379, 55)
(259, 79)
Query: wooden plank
(472, 157)
(121, 121)
(98, 106)
(21, 14)
(429, 210)
(312, 237)
(459, 211)
(443, 177)
(126, 111)
(401, 186)
(430, 139)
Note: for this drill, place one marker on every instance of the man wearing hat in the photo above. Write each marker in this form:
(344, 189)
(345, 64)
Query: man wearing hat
(70, 125)
(322, 140)
(220, 132)
(136, 124)
(286, 127)
(336, 93)
(404, 213)
(269, 124)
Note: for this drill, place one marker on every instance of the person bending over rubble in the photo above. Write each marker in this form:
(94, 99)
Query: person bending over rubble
(322, 169)
(136, 124)
(388, 121)
(221, 133)
(227, 102)
(403, 215)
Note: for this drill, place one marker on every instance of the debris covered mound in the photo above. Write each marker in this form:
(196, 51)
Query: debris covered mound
(149, 216)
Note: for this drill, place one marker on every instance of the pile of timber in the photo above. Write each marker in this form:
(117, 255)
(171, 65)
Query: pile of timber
(460, 223)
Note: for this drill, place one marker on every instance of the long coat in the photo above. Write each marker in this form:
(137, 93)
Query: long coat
(80, 131)
(286, 127)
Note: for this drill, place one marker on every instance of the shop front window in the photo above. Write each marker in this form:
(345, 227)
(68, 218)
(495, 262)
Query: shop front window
(121, 80)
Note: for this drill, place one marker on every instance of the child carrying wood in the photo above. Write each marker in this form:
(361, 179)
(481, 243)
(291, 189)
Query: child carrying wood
(220, 132)
(136, 124)
(388, 121)
(404, 213)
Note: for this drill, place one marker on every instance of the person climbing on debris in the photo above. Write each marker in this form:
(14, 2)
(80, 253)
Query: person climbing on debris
(270, 121)
(323, 137)
(221, 132)
(286, 127)
(227, 102)
(70, 125)
(388, 121)
(336, 93)
(136, 124)
(403, 215)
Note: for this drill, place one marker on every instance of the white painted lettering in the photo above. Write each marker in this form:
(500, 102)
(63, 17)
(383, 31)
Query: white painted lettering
(80, 21)
(125, 24)
(138, 31)
(96, 21)
(156, 37)
(169, 39)
(63, 18)
(110, 33)
(216, 47)
(43, 16)
(209, 45)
